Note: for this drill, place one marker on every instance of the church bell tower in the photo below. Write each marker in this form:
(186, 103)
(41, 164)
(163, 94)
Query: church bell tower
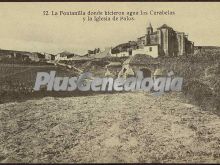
(149, 29)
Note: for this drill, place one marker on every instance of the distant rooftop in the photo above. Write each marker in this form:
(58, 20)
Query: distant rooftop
(165, 26)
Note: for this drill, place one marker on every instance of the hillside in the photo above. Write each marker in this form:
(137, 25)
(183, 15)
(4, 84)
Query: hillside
(131, 127)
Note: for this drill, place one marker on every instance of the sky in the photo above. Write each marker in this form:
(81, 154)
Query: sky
(24, 27)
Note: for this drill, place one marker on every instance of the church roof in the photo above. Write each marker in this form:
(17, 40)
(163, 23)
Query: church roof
(165, 26)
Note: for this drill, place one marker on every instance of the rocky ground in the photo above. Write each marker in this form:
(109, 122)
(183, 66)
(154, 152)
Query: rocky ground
(122, 127)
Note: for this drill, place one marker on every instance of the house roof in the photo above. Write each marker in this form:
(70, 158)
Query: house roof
(126, 45)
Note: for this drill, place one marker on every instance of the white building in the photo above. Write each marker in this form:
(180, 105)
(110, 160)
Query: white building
(121, 54)
(151, 50)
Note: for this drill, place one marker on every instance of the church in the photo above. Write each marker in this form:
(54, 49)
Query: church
(168, 41)
(164, 41)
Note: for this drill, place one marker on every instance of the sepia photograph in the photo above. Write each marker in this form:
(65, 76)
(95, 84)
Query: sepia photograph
(110, 82)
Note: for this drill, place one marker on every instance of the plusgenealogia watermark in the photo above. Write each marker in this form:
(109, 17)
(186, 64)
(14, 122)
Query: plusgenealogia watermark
(86, 82)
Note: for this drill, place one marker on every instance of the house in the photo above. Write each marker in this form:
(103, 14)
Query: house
(151, 49)
(36, 56)
(124, 50)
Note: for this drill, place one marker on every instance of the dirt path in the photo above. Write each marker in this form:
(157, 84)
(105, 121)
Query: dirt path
(131, 127)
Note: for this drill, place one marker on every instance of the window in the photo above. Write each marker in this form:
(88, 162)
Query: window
(150, 49)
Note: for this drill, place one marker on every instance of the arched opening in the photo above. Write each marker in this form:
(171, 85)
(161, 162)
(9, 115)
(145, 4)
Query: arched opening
(146, 72)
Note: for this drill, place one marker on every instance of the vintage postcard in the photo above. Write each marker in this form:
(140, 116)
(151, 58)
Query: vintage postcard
(109, 82)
